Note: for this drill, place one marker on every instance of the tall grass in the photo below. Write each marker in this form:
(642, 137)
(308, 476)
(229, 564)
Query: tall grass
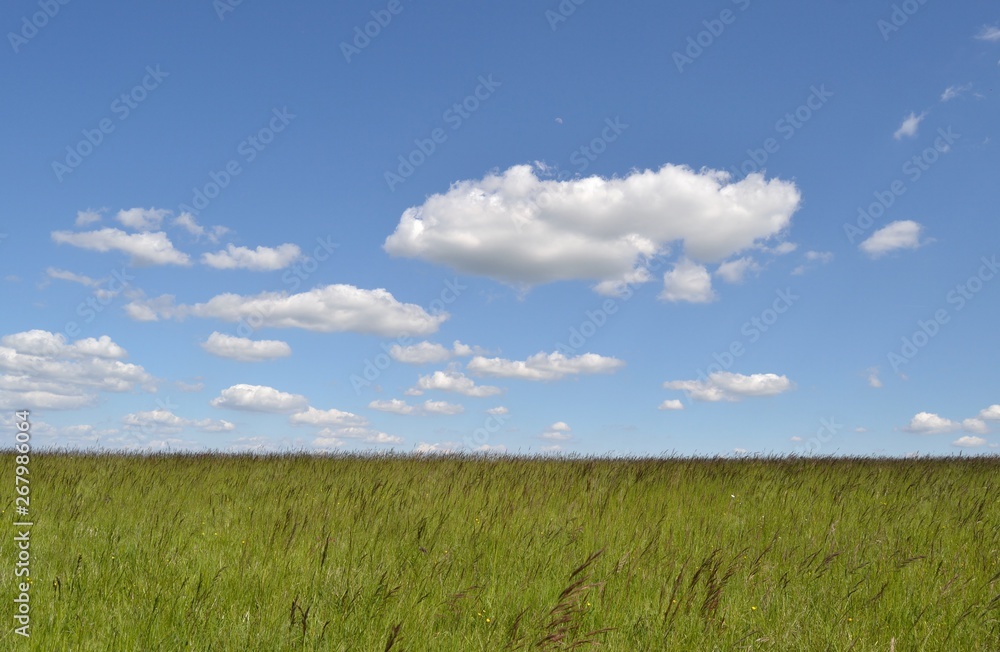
(297, 552)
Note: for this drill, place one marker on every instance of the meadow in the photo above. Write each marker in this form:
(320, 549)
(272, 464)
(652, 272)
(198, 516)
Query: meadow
(453, 553)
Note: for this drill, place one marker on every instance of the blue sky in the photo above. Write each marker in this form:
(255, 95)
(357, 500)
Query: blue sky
(567, 227)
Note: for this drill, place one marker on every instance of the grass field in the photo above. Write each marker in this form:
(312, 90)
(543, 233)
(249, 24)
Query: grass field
(296, 552)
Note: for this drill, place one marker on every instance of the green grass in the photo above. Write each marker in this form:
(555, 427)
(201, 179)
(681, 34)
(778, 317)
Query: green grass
(450, 553)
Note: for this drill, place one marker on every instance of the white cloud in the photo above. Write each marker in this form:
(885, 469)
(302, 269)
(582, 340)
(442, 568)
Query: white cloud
(188, 222)
(39, 369)
(394, 406)
(902, 234)
(873, 379)
(969, 441)
(497, 411)
(163, 421)
(144, 248)
(258, 398)
(818, 257)
(728, 386)
(429, 352)
(261, 259)
(989, 33)
(518, 228)
(733, 271)
(671, 404)
(928, 423)
(952, 92)
(245, 350)
(558, 431)
(142, 219)
(398, 406)
(795, 438)
(442, 407)
(335, 437)
(688, 281)
(88, 217)
(910, 125)
(992, 413)
(333, 417)
(977, 426)
(63, 275)
(452, 381)
(544, 366)
(333, 308)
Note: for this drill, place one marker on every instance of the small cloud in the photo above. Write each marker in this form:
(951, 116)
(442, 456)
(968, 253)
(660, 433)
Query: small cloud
(141, 219)
(430, 352)
(902, 234)
(257, 398)
(559, 120)
(989, 33)
(188, 222)
(928, 423)
(977, 426)
(399, 406)
(87, 217)
(813, 258)
(558, 431)
(452, 381)
(873, 379)
(952, 92)
(671, 404)
(63, 275)
(545, 366)
(911, 124)
(728, 386)
(497, 411)
(261, 259)
(330, 418)
(688, 281)
(795, 438)
(969, 441)
(992, 413)
(245, 350)
(734, 271)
